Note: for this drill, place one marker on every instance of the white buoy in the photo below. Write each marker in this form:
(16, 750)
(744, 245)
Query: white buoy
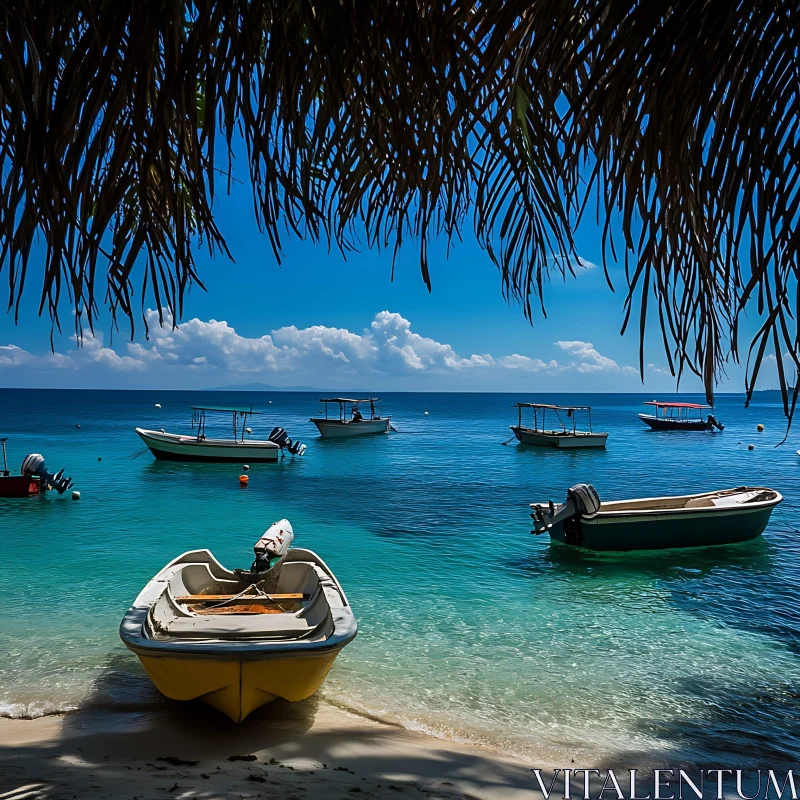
(270, 402)
(426, 412)
(76, 495)
(249, 430)
(245, 467)
(751, 447)
(158, 405)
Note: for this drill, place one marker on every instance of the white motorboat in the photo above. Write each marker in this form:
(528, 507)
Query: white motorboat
(198, 447)
(565, 436)
(356, 424)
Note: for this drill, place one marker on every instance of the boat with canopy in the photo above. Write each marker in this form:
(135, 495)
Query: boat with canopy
(350, 421)
(237, 639)
(239, 448)
(727, 516)
(679, 417)
(565, 435)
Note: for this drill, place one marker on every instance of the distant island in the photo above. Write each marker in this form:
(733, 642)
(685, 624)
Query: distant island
(262, 387)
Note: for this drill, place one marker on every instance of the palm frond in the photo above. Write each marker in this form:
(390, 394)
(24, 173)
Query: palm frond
(391, 121)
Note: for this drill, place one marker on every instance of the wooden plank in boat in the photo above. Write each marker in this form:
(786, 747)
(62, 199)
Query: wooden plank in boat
(258, 598)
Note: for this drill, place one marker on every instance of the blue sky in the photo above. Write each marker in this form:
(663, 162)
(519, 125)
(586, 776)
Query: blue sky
(318, 320)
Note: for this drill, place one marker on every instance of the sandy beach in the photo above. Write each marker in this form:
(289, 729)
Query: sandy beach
(303, 750)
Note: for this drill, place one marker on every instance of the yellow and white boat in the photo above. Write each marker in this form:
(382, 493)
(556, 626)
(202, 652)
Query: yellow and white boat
(238, 640)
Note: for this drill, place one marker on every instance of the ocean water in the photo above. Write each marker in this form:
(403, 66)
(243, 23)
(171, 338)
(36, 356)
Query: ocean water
(469, 627)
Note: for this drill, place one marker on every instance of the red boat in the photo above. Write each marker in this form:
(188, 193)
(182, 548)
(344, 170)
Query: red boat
(676, 417)
(17, 485)
(34, 477)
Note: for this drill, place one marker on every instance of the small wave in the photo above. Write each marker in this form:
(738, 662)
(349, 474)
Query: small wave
(437, 730)
(35, 710)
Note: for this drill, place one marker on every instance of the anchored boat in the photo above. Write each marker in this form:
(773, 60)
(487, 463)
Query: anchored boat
(566, 435)
(239, 639)
(356, 424)
(656, 523)
(34, 477)
(676, 417)
(198, 447)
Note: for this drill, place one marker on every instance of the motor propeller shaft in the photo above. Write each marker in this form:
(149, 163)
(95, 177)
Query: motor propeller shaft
(33, 464)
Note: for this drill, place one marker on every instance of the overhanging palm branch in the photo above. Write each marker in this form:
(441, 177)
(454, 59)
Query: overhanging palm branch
(384, 121)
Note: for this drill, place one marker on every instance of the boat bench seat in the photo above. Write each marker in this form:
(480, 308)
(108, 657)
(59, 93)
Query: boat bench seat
(277, 626)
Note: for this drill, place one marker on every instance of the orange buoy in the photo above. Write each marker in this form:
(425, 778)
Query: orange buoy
(243, 480)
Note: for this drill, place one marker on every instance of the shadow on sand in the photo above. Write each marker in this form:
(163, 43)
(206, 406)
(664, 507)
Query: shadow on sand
(150, 747)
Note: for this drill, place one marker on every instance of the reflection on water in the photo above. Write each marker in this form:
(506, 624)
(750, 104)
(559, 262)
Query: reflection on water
(469, 626)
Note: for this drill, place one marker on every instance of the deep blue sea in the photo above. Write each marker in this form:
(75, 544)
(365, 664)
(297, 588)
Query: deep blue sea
(469, 627)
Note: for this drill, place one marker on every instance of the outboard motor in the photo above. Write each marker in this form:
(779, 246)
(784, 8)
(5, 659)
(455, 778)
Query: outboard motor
(582, 499)
(33, 464)
(281, 438)
(271, 550)
(716, 423)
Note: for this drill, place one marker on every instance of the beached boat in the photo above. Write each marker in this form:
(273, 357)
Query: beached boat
(356, 424)
(239, 639)
(656, 523)
(676, 417)
(34, 477)
(566, 435)
(198, 447)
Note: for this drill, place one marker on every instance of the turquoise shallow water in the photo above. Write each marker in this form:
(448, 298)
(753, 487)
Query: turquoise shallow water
(470, 628)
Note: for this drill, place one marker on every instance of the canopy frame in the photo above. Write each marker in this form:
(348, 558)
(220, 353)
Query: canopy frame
(540, 409)
(676, 411)
(239, 413)
(354, 403)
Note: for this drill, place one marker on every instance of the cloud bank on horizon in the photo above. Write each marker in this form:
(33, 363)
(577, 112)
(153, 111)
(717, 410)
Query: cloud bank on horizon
(201, 353)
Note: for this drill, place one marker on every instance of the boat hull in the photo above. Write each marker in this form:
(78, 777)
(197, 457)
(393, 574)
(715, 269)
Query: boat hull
(237, 688)
(660, 424)
(336, 429)
(16, 486)
(689, 528)
(171, 447)
(581, 440)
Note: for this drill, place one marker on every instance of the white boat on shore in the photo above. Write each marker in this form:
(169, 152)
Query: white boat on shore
(357, 424)
(198, 447)
(237, 639)
(565, 436)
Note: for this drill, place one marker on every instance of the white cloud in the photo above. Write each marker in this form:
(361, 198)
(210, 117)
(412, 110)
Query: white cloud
(579, 265)
(13, 356)
(526, 364)
(92, 349)
(388, 348)
(590, 360)
(394, 338)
